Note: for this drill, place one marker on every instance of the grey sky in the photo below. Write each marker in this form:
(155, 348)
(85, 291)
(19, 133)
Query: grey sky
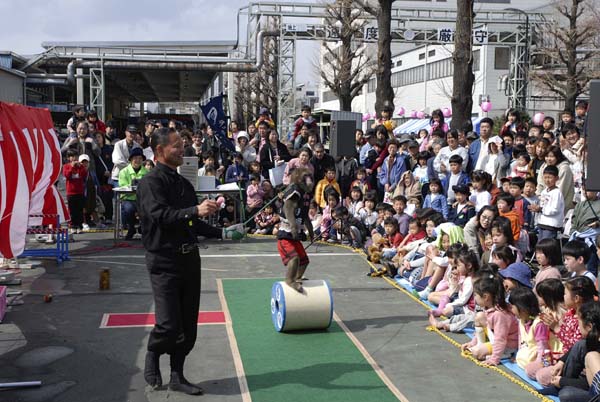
(26, 24)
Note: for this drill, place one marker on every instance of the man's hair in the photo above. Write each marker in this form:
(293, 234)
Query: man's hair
(553, 170)
(581, 104)
(456, 159)
(576, 249)
(531, 180)
(488, 121)
(264, 123)
(160, 136)
(306, 108)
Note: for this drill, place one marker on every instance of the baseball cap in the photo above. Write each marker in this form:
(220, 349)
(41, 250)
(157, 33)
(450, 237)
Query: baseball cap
(519, 271)
(84, 157)
(404, 138)
(132, 128)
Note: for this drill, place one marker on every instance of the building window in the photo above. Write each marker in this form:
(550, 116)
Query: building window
(399, 63)
(371, 85)
(421, 56)
(431, 53)
(476, 61)
(501, 58)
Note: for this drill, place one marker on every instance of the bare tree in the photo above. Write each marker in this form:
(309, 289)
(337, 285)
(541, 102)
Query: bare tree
(347, 68)
(567, 47)
(463, 77)
(382, 10)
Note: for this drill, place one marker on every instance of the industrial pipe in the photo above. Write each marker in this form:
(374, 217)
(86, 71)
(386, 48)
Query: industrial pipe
(189, 66)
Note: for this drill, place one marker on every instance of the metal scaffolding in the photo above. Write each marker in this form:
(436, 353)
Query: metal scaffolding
(97, 92)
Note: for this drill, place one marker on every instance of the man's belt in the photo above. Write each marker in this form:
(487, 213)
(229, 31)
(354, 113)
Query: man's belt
(187, 248)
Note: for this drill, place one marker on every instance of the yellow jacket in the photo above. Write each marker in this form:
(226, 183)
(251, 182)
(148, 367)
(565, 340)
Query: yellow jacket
(320, 190)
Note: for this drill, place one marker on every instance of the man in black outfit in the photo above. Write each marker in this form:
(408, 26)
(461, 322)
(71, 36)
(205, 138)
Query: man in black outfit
(169, 214)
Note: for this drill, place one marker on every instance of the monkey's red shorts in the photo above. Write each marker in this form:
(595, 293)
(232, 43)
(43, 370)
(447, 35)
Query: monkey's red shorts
(289, 249)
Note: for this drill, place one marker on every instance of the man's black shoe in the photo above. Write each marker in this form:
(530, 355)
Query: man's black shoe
(180, 384)
(130, 233)
(152, 370)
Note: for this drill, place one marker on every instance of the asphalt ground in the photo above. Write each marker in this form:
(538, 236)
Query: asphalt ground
(61, 342)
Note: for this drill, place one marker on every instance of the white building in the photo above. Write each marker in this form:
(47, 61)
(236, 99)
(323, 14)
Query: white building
(422, 74)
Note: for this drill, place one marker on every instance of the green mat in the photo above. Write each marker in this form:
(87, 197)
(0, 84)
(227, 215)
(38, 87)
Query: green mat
(308, 366)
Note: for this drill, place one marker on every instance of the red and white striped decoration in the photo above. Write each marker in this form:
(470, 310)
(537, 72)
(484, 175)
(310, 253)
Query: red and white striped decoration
(30, 164)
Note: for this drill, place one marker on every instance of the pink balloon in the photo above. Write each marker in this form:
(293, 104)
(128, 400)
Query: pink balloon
(221, 202)
(538, 118)
(420, 114)
(401, 111)
(366, 117)
(486, 106)
(413, 114)
(447, 112)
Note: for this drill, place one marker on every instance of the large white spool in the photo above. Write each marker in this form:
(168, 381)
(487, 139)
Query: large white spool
(293, 311)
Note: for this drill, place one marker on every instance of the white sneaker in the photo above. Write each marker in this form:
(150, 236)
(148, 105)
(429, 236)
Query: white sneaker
(85, 227)
(72, 231)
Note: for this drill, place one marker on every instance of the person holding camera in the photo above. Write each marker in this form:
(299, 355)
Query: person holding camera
(129, 177)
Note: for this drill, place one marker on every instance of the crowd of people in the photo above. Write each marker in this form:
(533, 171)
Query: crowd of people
(476, 222)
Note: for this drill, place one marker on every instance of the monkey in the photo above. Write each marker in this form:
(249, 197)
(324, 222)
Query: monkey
(294, 220)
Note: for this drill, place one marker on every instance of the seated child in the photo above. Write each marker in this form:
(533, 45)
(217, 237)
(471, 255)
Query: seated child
(548, 257)
(386, 247)
(534, 336)
(227, 214)
(367, 214)
(326, 228)
(576, 255)
(496, 329)
(460, 310)
(349, 228)
(448, 286)
(354, 203)
(266, 220)
(516, 275)
(315, 216)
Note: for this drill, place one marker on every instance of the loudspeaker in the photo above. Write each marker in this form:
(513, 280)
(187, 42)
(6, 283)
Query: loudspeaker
(592, 138)
(343, 142)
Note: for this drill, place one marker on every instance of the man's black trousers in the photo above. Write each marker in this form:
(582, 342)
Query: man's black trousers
(175, 280)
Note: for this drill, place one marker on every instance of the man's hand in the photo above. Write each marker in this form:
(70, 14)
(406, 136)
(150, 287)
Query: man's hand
(208, 207)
